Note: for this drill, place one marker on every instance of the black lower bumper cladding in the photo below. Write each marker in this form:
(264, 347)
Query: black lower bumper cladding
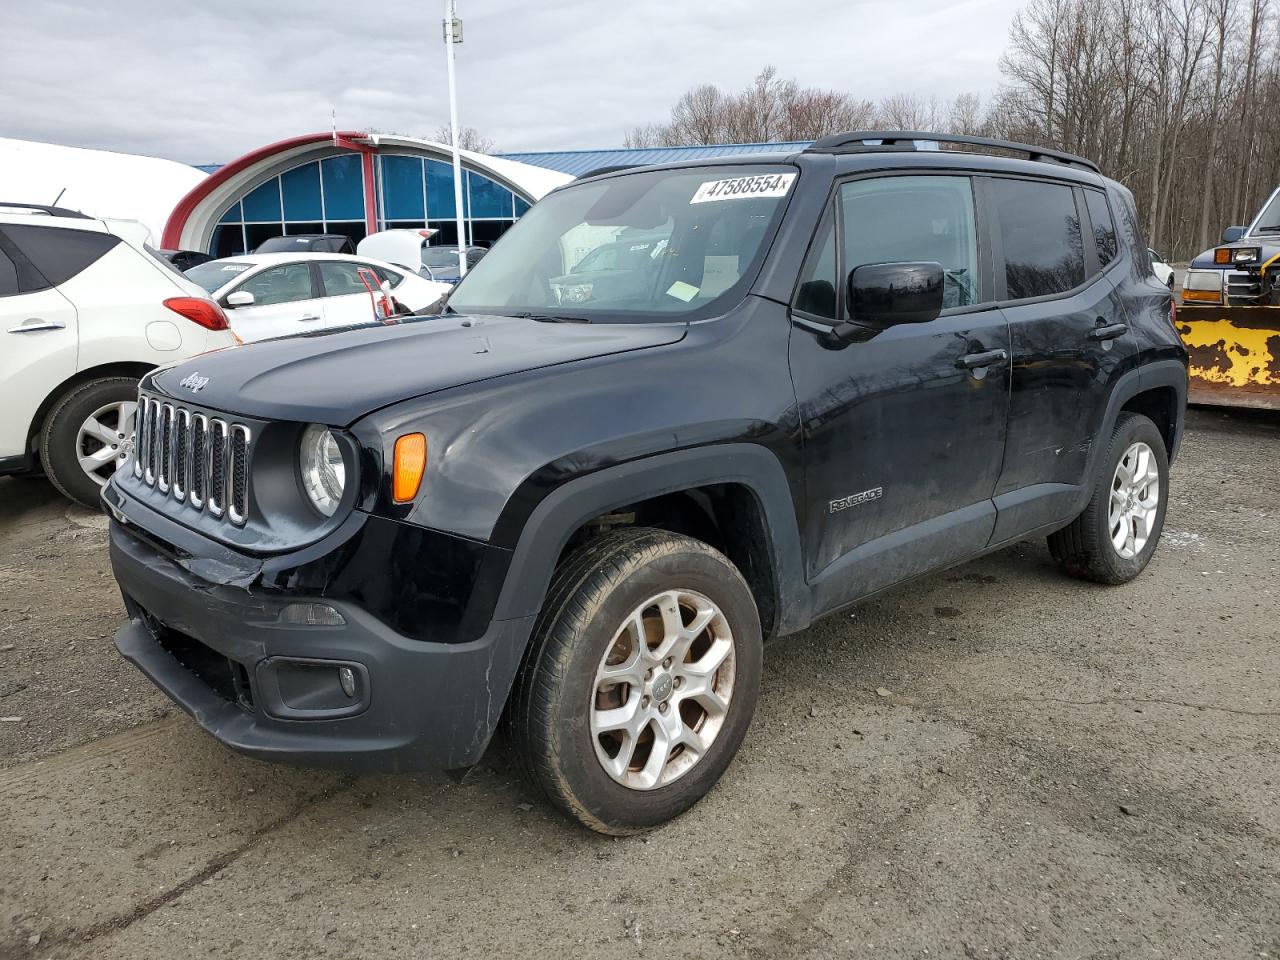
(349, 693)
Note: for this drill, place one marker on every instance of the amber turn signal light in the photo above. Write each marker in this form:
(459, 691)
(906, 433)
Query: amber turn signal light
(1222, 255)
(1201, 296)
(410, 461)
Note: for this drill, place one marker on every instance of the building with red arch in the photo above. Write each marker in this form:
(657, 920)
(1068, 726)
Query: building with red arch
(352, 183)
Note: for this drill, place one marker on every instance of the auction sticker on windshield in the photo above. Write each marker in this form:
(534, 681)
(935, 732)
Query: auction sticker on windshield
(744, 188)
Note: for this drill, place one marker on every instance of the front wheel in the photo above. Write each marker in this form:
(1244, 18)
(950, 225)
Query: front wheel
(1113, 539)
(641, 680)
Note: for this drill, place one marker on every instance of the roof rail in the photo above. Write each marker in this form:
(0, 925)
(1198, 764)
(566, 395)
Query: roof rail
(872, 140)
(610, 168)
(44, 208)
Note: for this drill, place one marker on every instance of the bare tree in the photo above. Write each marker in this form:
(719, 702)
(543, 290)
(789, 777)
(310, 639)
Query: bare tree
(768, 110)
(1220, 15)
(1174, 98)
(908, 111)
(469, 138)
(966, 115)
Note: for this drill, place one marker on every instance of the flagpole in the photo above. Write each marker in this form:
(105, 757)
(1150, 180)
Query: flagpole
(450, 20)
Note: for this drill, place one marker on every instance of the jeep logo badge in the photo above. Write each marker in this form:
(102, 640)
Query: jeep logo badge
(194, 382)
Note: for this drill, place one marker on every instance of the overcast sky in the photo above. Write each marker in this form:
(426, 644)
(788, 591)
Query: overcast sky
(204, 85)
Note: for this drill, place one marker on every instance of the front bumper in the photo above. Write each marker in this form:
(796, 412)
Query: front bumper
(223, 653)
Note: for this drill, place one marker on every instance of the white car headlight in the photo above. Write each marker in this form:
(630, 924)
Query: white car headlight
(1203, 286)
(324, 474)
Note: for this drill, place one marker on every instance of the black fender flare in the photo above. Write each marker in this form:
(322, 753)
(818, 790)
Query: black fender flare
(566, 508)
(1172, 374)
(1149, 376)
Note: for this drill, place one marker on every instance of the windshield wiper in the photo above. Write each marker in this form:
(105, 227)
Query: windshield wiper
(1274, 228)
(548, 318)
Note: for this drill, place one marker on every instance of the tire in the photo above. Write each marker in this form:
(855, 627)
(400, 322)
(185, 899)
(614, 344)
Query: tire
(62, 443)
(1086, 547)
(598, 600)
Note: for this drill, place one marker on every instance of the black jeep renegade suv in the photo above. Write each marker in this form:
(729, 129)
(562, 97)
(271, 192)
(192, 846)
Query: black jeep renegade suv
(581, 500)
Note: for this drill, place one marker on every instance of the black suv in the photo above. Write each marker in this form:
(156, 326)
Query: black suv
(844, 368)
(307, 243)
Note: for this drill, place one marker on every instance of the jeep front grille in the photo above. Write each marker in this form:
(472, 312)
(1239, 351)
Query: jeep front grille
(201, 460)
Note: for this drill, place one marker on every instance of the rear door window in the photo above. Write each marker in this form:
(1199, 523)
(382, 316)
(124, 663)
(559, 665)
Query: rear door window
(58, 253)
(341, 279)
(1040, 232)
(1104, 228)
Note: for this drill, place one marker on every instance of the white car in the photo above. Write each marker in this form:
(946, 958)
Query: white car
(282, 294)
(85, 311)
(1161, 268)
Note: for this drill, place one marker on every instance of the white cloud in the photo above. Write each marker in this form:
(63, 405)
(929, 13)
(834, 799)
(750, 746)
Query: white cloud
(205, 84)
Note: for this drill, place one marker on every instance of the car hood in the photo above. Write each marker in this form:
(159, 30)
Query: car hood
(336, 378)
(1269, 244)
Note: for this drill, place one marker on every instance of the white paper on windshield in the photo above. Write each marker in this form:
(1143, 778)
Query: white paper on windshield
(236, 267)
(682, 291)
(744, 188)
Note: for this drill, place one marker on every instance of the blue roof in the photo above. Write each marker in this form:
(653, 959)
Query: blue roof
(578, 162)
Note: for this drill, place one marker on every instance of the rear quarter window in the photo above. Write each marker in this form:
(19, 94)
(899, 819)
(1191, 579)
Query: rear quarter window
(8, 276)
(1040, 233)
(1130, 234)
(60, 254)
(1104, 228)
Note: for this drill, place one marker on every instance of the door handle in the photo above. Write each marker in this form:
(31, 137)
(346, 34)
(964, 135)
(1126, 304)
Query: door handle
(35, 324)
(972, 361)
(309, 316)
(1108, 331)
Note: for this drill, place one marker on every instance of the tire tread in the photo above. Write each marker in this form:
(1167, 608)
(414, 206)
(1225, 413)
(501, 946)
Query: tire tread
(1078, 548)
(53, 421)
(579, 587)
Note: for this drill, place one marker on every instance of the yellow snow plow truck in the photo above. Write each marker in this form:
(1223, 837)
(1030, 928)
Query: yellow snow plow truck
(1230, 315)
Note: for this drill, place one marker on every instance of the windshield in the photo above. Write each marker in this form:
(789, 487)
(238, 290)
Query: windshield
(440, 256)
(290, 244)
(216, 273)
(677, 243)
(1269, 220)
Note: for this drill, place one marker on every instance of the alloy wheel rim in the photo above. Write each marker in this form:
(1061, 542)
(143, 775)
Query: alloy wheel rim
(105, 440)
(1135, 499)
(662, 690)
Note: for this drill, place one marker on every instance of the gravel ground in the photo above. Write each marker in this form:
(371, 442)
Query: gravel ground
(995, 762)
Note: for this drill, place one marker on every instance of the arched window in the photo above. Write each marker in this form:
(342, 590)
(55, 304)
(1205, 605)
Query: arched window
(327, 196)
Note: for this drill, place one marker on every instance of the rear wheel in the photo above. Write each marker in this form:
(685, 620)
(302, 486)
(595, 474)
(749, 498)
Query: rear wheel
(1113, 539)
(641, 679)
(88, 435)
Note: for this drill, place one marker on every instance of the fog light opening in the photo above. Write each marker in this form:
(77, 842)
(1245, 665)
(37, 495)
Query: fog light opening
(347, 678)
(312, 615)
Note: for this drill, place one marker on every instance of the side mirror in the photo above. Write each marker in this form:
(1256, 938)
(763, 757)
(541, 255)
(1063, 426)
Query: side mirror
(1232, 234)
(885, 294)
(241, 298)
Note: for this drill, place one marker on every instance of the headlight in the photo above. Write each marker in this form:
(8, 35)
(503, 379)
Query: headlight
(1203, 286)
(324, 475)
(1246, 254)
(572, 292)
